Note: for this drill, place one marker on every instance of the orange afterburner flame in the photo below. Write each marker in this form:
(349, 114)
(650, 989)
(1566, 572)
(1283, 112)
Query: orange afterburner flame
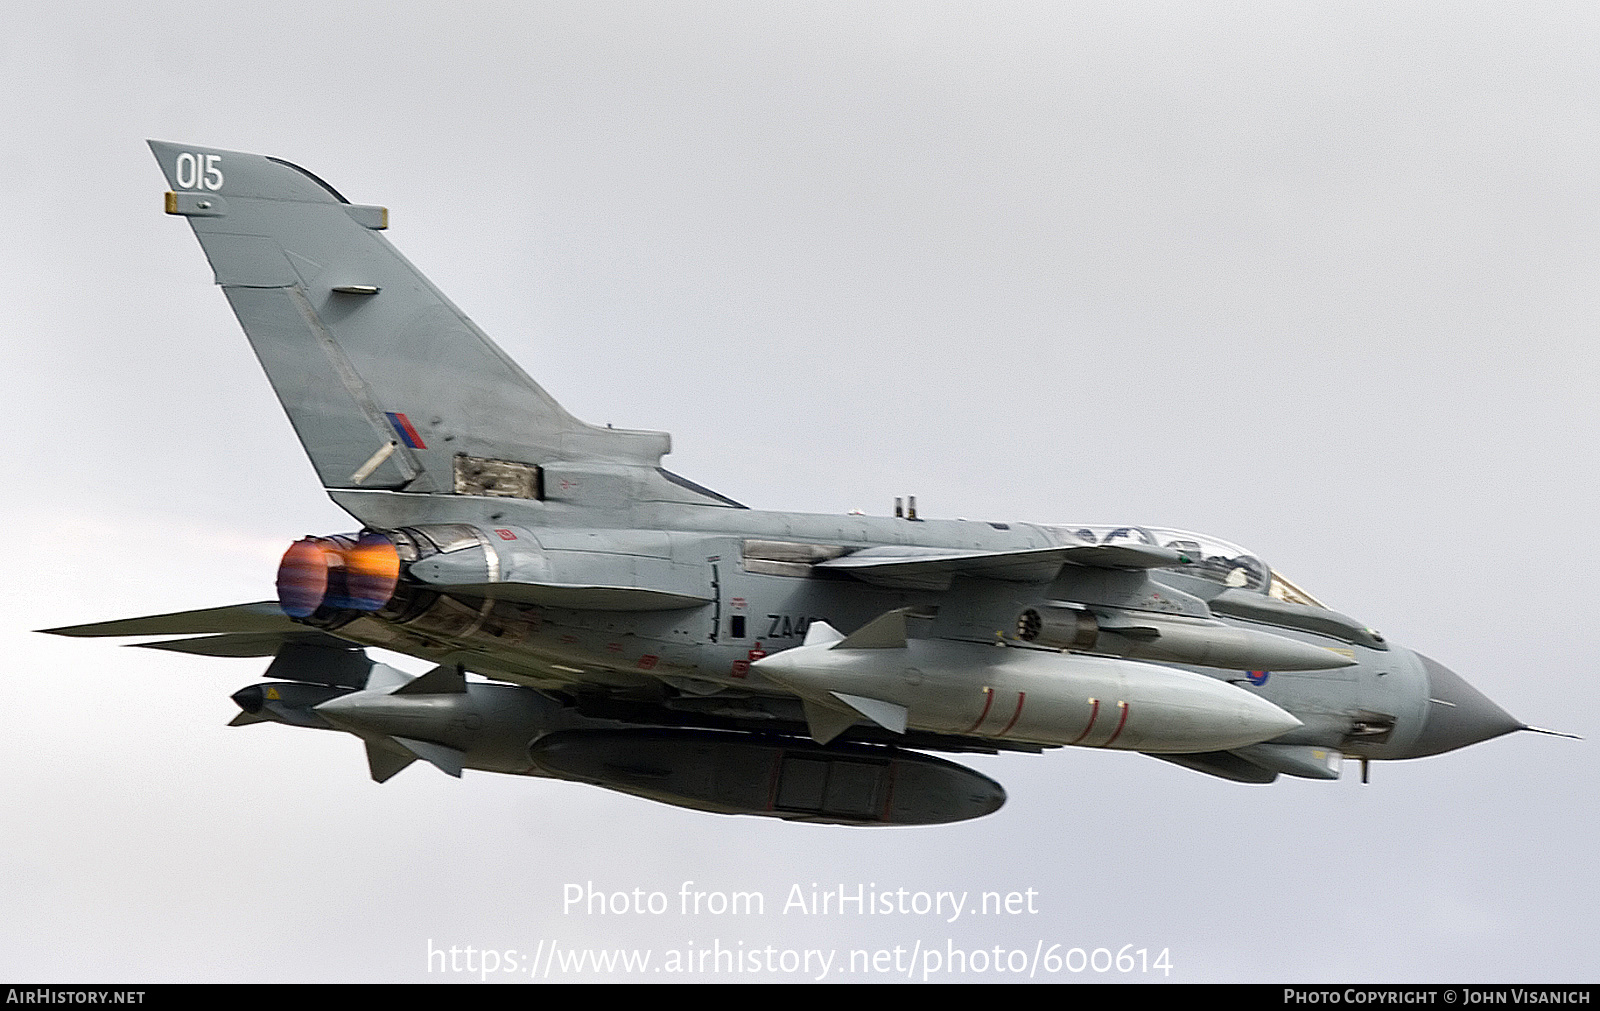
(341, 572)
(303, 577)
(372, 571)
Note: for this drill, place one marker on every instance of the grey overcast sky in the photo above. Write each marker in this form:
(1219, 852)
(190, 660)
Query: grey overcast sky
(1319, 279)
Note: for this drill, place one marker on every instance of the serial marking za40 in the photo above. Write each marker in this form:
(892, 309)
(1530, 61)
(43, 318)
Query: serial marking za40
(636, 631)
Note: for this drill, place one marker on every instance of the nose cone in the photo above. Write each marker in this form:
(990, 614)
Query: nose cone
(1458, 714)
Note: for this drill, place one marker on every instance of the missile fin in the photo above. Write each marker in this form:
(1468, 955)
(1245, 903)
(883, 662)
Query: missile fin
(442, 680)
(347, 665)
(886, 631)
(244, 719)
(887, 715)
(384, 761)
(826, 722)
(383, 677)
(446, 760)
(820, 633)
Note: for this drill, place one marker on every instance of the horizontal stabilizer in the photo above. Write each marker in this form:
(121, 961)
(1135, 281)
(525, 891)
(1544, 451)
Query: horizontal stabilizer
(577, 597)
(246, 643)
(262, 616)
(887, 715)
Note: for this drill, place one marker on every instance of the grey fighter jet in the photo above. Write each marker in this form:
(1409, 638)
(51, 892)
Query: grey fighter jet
(629, 628)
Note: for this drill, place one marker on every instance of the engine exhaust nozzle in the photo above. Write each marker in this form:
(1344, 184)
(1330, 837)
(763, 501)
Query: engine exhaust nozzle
(343, 572)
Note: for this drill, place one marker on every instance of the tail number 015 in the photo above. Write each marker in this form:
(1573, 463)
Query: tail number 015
(198, 171)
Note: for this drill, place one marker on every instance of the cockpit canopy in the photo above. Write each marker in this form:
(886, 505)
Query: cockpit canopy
(1206, 557)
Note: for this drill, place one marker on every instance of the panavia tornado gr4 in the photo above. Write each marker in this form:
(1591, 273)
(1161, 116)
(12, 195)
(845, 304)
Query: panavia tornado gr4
(628, 628)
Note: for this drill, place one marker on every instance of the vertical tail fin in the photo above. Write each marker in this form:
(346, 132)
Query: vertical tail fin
(385, 381)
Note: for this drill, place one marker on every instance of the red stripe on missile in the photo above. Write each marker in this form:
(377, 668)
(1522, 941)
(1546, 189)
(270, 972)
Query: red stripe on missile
(988, 700)
(1120, 724)
(1021, 698)
(1093, 714)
